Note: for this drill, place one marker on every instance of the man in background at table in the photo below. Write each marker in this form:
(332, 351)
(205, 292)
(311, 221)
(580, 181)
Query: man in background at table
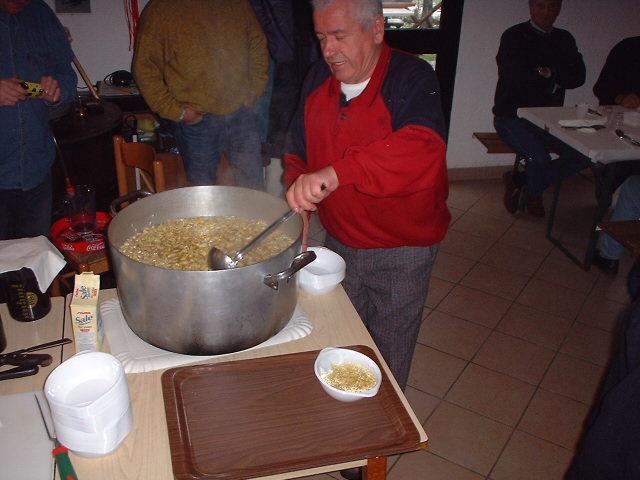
(33, 48)
(367, 151)
(619, 80)
(536, 63)
(202, 65)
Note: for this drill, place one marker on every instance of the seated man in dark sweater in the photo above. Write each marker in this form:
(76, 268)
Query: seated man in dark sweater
(619, 80)
(536, 63)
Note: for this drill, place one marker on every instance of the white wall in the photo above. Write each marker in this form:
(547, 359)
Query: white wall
(597, 25)
(100, 38)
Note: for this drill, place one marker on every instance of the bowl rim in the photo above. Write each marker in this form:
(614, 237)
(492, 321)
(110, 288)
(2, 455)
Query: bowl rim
(51, 391)
(321, 283)
(331, 253)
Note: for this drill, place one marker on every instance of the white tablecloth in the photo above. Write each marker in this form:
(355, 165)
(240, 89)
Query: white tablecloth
(602, 146)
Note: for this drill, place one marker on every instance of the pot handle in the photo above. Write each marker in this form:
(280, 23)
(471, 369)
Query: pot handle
(299, 262)
(116, 205)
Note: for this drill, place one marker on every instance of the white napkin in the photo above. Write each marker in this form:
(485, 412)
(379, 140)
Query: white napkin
(582, 122)
(36, 253)
(138, 356)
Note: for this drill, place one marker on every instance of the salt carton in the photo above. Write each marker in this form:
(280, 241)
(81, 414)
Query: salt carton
(86, 321)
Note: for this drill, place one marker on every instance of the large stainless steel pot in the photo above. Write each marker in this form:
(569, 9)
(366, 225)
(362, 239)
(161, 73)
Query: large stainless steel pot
(206, 312)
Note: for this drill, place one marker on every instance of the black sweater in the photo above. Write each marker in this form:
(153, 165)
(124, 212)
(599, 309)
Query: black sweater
(621, 72)
(523, 49)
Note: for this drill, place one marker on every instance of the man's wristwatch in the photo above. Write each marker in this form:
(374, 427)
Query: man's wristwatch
(184, 111)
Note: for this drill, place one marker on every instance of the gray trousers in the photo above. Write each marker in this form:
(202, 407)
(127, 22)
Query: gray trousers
(388, 288)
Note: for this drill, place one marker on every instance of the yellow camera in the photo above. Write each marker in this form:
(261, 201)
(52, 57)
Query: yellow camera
(33, 89)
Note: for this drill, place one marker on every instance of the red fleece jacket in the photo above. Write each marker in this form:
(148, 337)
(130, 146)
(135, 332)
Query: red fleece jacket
(387, 149)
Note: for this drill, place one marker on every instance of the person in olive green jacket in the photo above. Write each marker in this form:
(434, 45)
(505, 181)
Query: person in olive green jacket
(202, 64)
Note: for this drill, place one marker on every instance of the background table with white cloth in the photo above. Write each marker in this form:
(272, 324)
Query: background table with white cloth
(612, 158)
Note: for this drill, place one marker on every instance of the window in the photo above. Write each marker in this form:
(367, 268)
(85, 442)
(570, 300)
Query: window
(431, 30)
(417, 14)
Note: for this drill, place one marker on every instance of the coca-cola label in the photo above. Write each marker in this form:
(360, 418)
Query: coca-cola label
(94, 247)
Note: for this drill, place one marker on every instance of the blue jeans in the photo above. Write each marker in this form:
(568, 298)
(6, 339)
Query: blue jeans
(26, 213)
(235, 134)
(627, 208)
(534, 144)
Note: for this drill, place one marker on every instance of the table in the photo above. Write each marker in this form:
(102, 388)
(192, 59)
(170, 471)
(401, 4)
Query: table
(27, 334)
(145, 453)
(607, 153)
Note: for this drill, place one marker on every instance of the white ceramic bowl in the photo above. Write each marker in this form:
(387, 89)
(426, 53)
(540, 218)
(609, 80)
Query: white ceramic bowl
(328, 357)
(324, 273)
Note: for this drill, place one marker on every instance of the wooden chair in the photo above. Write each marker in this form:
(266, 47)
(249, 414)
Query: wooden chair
(139, 166)
(155, 173)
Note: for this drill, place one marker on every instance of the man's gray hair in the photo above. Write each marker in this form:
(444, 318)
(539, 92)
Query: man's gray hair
(365, 11)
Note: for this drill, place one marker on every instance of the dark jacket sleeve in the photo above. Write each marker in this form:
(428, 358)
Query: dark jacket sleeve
(276, 19)
(610, 83)
(569, 70)
(295, 157)
(60, 57)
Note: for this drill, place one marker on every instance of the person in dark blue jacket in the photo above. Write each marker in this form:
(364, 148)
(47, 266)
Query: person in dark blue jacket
(33, 48)
(610, 446)
(537, 62)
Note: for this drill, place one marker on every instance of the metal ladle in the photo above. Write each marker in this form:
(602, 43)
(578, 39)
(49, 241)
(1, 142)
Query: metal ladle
(218, 260)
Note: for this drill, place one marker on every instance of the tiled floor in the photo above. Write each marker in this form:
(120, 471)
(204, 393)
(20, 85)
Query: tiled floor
(514, 343)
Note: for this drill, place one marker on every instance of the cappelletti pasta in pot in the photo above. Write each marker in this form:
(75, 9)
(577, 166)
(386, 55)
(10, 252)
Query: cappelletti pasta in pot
(184, 244)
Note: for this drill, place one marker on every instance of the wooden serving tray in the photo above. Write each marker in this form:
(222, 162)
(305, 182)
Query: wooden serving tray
(264, 416)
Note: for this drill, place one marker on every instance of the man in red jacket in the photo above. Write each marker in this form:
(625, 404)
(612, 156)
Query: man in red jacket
(366, 149)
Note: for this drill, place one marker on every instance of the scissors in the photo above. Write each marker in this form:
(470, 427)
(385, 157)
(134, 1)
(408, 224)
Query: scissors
(27, 363)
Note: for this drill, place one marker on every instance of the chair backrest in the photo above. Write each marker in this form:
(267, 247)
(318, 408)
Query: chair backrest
(155, 173)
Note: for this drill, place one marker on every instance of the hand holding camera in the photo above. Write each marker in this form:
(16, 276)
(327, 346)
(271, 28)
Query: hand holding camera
(14, 90)
(11, 92)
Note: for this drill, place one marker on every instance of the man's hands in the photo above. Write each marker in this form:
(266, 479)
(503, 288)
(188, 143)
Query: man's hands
(51, 89)
(11, 92)
(191, 116)
(629, 100)
(307, 190)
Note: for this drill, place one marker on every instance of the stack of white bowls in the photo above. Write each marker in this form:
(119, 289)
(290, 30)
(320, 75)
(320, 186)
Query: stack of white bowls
(90, 404)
